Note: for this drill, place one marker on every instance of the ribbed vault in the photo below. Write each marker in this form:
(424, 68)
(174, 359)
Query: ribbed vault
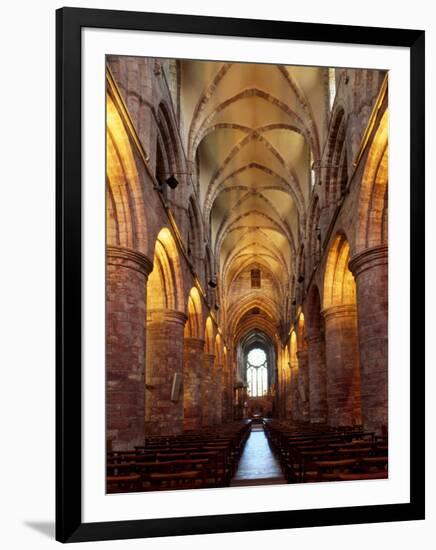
(252, 133)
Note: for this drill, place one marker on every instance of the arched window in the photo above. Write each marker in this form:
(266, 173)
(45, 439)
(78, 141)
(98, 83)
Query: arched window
(257, 373)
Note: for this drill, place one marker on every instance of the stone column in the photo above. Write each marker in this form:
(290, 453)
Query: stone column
(126, 279)
(292, 411)
(192, 377)
(288, 375)
(230, 393)
(317, 378)
(218, 389)
(207, 390)
(225, 410)
(342, 365)
(164, 416)
(303, 385)
(370, 269)
(281, 395)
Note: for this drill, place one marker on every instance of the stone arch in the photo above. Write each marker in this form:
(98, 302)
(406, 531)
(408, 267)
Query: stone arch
(301, 332)
(218, 348)
(295, 189)
(126, 224)
(286, 405)
(165, 289)
(282, 184)
(370, 269)
(255, 92)
(372, 213)
(192, 363)
(336, 174)
(169, 155)
(194, 324)
(293, 350)
(314, 235)
(341, 337)
(202, 102)
(195, 238)
(165, 343)
(168, 132)
(209, 336)
(209, 273)
(339, 285)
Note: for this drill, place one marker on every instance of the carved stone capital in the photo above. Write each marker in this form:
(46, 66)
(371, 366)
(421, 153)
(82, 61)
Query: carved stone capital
(313, 339)
(129, 259)
(194, 344)
(343, 310)
(372, 257)
(166, 316)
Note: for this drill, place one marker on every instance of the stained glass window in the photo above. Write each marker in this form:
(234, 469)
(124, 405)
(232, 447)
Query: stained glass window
(257, 373)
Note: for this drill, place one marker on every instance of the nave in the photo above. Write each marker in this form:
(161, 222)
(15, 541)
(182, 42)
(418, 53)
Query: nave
(246, 274)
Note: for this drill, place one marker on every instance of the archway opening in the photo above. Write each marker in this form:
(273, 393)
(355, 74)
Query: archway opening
(165, 326)
(257, 372)
(341, 337)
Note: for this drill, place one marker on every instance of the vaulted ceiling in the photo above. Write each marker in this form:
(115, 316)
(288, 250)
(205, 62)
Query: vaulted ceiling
(251, 132)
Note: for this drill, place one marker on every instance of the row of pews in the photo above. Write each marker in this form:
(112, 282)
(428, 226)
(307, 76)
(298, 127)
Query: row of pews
(311, 453)
(192, 460)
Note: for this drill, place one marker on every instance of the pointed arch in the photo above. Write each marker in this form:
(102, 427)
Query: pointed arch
(195, 238)
(339, 284)
(373, 198)
(314, 235)
(165, 283)
(336, 174)
(209, 336)
(194, 324)
(127, 225)
(218, 349)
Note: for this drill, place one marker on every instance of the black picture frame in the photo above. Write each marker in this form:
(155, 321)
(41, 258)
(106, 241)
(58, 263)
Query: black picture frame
(69, 525)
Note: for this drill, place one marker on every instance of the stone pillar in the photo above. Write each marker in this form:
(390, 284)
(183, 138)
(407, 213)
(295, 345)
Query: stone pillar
(226, 401)
(370, 269)
(281, 395)
(207, 390)
(231, 396)
(342, 365)
(288, 375)
(317, 378)
(303, 385)
(218, 389)
(163, 416)
(126, 279)
(292, 410)
(192, 376)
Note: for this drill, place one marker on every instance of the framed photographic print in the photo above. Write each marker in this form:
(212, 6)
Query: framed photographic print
(238, 286)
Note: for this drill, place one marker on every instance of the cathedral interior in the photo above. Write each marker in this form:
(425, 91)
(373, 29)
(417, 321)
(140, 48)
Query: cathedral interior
(247, 274)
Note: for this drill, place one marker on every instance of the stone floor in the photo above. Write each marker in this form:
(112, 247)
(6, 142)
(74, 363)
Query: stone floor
(258, 465)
